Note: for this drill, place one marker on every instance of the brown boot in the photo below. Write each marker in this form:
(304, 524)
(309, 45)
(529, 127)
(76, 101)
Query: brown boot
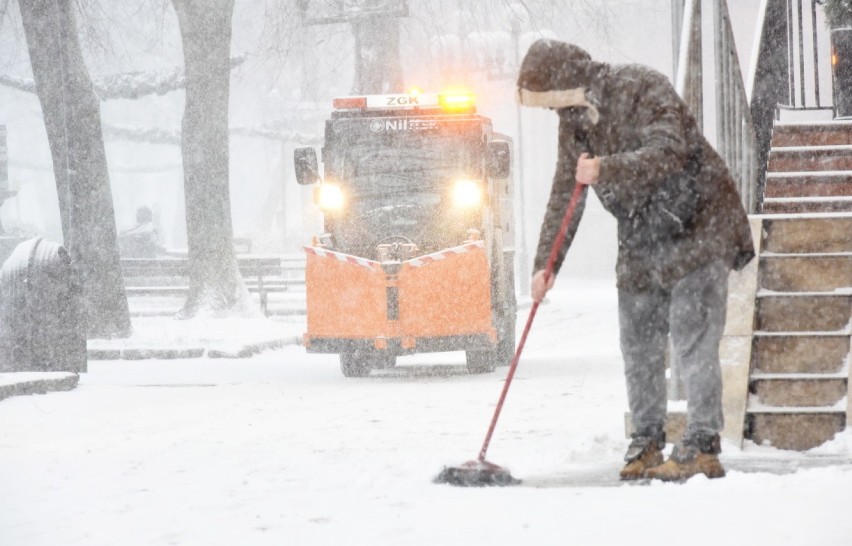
(690, 457)
(644, 452)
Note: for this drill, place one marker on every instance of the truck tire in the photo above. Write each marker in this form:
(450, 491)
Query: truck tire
(481, 361)
(360, 364)
(355, 364)
(381, 360)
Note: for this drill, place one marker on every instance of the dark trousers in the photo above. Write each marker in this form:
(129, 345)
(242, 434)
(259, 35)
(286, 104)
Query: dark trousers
(693, 312)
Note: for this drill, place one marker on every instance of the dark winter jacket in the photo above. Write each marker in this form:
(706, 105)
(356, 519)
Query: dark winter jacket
(675, 201)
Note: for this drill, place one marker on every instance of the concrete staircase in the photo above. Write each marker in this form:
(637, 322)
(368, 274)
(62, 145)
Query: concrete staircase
(799, 376)
(810, 168)
(799, 379)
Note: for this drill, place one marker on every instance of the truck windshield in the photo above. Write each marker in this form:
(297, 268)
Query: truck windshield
(413, 169)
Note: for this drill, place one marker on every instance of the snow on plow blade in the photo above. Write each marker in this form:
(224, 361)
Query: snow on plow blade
(439, 301)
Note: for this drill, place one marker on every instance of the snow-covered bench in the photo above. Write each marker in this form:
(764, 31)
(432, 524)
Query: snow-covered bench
(169, 276)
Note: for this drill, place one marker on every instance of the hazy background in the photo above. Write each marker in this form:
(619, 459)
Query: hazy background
(282, 92)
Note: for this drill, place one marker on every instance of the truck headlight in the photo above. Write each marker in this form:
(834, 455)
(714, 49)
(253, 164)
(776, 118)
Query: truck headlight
(467, 194)
(329, 197)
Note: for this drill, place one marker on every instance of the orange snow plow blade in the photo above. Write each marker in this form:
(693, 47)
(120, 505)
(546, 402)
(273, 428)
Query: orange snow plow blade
(445, 294)
(345, 295)
(353, 302)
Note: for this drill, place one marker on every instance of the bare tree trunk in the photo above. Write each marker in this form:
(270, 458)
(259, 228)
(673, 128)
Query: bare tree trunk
(72, 119)
(215, 284)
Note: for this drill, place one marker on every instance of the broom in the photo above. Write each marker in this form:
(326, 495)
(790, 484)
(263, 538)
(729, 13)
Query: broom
(480, 472)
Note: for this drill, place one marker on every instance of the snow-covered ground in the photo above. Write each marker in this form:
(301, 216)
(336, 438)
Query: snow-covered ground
(281, 449)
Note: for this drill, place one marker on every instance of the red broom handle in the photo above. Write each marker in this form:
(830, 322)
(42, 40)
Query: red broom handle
(548, 271)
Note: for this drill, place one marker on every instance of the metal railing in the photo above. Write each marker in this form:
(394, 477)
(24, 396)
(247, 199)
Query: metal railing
(735, 132)
(779, 78)
(803, 91)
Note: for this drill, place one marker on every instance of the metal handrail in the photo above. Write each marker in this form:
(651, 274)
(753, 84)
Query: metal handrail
(777, 66)
(735, 132)
(797, 36)
(689, 73)
(769, 77)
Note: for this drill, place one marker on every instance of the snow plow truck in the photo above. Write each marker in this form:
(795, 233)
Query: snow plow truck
(416, 250)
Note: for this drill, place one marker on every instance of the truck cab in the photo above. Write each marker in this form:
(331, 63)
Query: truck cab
(416, 251)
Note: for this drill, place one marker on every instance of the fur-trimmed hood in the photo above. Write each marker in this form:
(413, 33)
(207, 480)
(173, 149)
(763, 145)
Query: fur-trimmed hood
(557, 74)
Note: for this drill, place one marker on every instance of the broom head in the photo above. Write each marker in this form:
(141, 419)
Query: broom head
(476, 474)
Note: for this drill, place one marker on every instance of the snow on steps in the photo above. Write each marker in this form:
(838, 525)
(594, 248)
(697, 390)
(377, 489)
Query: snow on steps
(809, 168)
(809, 204)
(799, 379)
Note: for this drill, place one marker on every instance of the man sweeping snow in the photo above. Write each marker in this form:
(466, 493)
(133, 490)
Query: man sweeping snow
(681, 228)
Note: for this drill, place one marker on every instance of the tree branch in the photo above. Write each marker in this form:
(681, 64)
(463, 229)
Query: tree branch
(173, 137)
(127, 85)
(21, 84)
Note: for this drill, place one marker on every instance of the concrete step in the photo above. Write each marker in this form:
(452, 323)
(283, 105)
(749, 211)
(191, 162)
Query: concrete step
(831, 133)
(798, 390)
(803, 313)
(788, 352)
(805, 272)
(795, 116)
(808, 184)
(813, 234)
(795, 205)
(810, 158)
(794, 428)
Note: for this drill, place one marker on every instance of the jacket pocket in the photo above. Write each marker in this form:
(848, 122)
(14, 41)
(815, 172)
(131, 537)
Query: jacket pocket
(674, 208)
